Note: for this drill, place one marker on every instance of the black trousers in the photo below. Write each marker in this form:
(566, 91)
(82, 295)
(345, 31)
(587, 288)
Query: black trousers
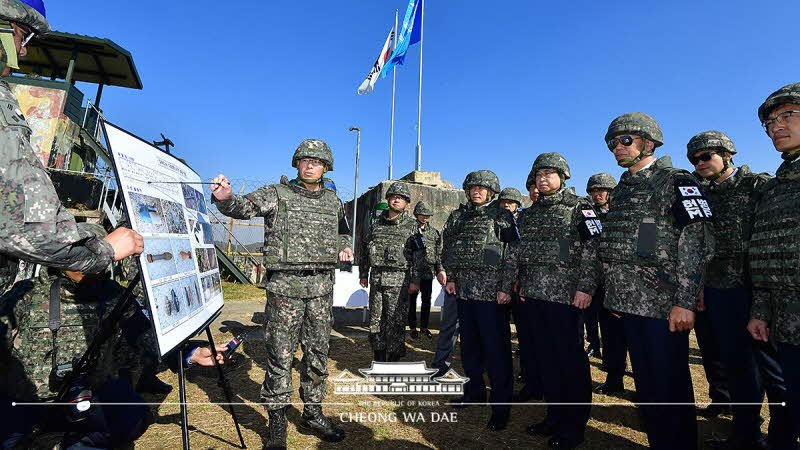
(718, 390)
(615, 350)
(425, 288)
(486, 346)
(564, 367)
(523, 313)
(591, 321)
(660, 360)
(789, 357)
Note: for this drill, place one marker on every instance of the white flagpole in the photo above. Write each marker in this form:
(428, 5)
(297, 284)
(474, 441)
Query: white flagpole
(419, 102)
(394, 81)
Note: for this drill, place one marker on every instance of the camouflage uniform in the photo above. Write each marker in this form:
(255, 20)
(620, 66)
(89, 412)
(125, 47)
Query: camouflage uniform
(301, 246)
(655, 245)
(34, 226)
(426, 263)
(387, 261)
(744, 367)
(774, 254)
(557, 256)
(472, 255)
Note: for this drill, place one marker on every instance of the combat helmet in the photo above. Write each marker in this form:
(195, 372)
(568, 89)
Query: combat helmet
(511, 194)
(399, 188)
(787, 94)
(422, 208)
(639, 124)
(30, 13)
(711, 140)
(313, 148)
(551, 160)
(601, 181)
(485, 178)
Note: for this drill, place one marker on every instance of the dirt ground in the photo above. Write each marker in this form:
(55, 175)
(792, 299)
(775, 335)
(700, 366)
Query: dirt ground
(211, 426)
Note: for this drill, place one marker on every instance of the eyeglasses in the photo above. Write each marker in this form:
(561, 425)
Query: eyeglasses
(704, 157)
(780, 118)
(624, 140)
(312, 162)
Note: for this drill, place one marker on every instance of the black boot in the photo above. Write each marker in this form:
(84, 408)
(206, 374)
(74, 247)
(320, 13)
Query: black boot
(314, 421)
(149, 384)
(277, 429)
(380, 356)
(393, 357)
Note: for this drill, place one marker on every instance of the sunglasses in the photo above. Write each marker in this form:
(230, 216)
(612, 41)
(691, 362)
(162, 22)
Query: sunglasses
(624, 140)
(704, 157)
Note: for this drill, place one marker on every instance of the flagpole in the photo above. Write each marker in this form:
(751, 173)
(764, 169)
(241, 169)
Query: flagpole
(394, 81)
(419, 101)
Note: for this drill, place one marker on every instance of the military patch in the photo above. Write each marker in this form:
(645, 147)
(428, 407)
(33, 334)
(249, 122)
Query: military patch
(590, 227)
(588, 213)
(12, 114)
(690, 210)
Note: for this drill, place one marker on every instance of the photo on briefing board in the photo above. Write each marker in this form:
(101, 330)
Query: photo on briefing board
(179, 266)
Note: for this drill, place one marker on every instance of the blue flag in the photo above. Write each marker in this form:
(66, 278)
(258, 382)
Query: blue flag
(409, 35)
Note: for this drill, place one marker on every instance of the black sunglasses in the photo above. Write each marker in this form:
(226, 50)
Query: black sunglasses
(704, 157)
(624, 140)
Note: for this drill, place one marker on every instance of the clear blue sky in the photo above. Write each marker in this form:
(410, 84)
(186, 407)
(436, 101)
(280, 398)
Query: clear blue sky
(237, 85)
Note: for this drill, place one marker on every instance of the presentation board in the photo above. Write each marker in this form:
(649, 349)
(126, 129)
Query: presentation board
(164, 203)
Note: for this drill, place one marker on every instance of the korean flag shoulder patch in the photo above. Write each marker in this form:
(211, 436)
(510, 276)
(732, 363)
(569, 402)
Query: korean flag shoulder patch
(590, 227)
(690, 205)
(589, 213)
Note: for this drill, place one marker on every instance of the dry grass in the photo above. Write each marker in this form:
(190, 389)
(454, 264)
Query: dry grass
(238, 292)
(611, 427)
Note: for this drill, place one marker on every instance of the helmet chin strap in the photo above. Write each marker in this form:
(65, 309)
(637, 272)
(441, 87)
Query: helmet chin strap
(560, 186)
(725, 166)
(311, 180)
(628, 162)
(790, 156)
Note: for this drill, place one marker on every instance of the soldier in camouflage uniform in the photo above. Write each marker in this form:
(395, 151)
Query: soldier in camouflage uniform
(305, 234)
(614, 350)
(387, 257)
(511, 199)
(34, 226)
(48, 322)
(555, 264)
(727, 294)
(775, 248)
(474, 238)
(427, 264)
(655, 245)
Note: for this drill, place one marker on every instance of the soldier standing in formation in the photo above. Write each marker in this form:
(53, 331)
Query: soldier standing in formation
(427, 264)
(385, 269)
(474, 238)
(774, 249)
(305, 234)
(655, 246)
(555, 264)
(612, 333)
(511, 199)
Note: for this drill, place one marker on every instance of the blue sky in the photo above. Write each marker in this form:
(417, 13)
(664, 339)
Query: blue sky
(238, 85)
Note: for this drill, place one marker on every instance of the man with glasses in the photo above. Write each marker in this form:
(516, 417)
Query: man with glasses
(727, 296)
(774, 251)
(305, 234)
(655, 246)
(555, 264)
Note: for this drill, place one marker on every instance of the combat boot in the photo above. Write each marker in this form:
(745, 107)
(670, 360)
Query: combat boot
(380, 356)
(314, 421)
(277, 429)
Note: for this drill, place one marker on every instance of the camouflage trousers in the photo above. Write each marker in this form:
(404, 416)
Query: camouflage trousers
(388, 312)
(291, 320)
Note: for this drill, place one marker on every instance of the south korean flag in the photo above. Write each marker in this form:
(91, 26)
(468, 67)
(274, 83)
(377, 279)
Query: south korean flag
(690, 204)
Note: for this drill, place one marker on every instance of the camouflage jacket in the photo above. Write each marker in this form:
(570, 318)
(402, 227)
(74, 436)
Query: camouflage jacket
(484, 279)
(557, 253)
(733, 202)
(30, 349)
(427, 262)
(652, 261)
(34, 226)
(774, 252)
(387, 246)
(266, 202)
